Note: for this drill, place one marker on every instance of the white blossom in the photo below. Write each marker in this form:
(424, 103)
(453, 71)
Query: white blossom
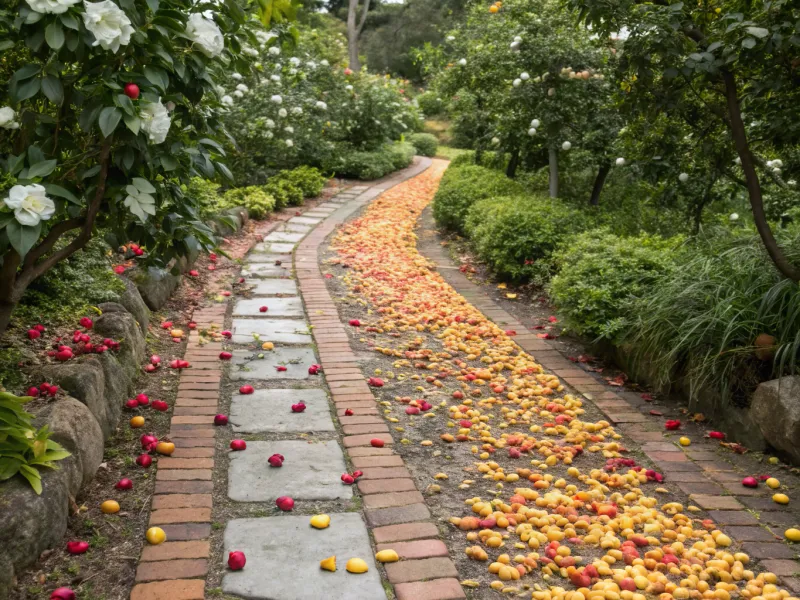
(237, 76)
(53, 7)
(292, 71)
(495, 140)
(30, 204)
(155, 121)
(250, 51)
(524, 76)
(139, 199)
(516, 82)
(450, 38)
(566, 145)
(349, 88)
(535, 123)
(264, 37)
(238, 93)
(683, 177)
(289, 143)
(532, 131)
(321, 105)
(269, 135)
(463, 62)
(8, 118)
(205, 33)
(791, 182)
(324, 63)
(282, 113)
(551, 92)
(294, 61)
(275, 78)
(277, 99)
(274, 50)
(110, 26)
(620, 162)
(269, 123)
(296, 110)
(734, 217)
(289, 129)
(242, 88)
(227, 100)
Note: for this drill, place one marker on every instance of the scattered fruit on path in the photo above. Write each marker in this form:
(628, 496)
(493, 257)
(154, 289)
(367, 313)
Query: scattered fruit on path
(780, 498)
(328, 564)
(773, 483)
(110, 507)
(156, 535)
(137, 422)
(236, 560)
(320, 521)
(793, 535)
(684, 441)
(356, 565)
(386, 556)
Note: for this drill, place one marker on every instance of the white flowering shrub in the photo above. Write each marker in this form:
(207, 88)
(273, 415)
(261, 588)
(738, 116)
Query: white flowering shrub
(110, 107)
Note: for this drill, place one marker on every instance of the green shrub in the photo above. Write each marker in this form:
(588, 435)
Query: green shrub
(465, 158)
(516, 236)
(600, 274)
(284, 192)
(461, 187)
(309, 179)
(206, 193)
(424, 143)
(254, 198)
(430, 104)
(702, 320)
(401, 154)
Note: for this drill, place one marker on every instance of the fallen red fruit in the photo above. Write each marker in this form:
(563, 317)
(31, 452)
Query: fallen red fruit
(32, 391)
(64, 355)
(124, 484)
(514, 453)
(236, 561)
(375, 382)
(150, 369)
(237, 445)
(77, 547)
(355, 323)
(285, 503)
(160, 405)
(62, 593)
(314, 369)
(280, 368)
(166, 324)
(86, 323)
(33, 334)
(225, 355)
(716, 435)
(348, 412)
(226, 333)
(376, 443)
(276, 460)
(155, 359)
(194, 273)
(143, 399)
(262, 309)
(357, 474)
(750, 482)
(148, 439)
(220, 420)
(144, 460)
(246, 389)
(348, 479)
(672, 425)
(298, 408)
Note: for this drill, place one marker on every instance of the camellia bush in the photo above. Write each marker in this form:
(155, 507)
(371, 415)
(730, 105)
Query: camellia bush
(111, 108)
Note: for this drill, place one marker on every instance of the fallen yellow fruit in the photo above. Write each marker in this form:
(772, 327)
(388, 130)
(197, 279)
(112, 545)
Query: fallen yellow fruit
(328, 564)
(385, 556)
(155, 535)
(780, 498)
(356, 565)
(320, 521)
(773, 460)
(110, 507)
(267, 346)
(137, 421)
(773, 483)
(684, 441)
(793, 535)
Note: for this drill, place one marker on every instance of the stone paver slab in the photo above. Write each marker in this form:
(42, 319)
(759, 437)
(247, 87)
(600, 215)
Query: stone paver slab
(283, 555)
(263, 269)
(295, 227)
(274, 248)
(296, 361)
(304, 220)
(284, 331)
(311, 471)
(272, 287)
(270, 411)
(276, 307)
(315, 214)
(283, 236)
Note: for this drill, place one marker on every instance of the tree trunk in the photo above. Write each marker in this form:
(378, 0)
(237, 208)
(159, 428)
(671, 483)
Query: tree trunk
(751, 177)
(354, 31)
(599, 182)
(553, 157)
(513, 163)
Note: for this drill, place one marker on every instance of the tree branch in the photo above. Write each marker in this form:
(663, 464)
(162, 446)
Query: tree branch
(52, 237)
(363, 18)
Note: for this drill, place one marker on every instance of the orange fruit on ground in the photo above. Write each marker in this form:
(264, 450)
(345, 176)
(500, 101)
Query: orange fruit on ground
(137, 421)
(166, 448)
(155, 535)
(110, 507)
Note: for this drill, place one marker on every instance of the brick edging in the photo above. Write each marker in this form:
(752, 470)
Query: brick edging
(394, 509)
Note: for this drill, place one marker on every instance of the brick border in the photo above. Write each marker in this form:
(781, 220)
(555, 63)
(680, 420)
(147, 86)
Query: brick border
(394, 509)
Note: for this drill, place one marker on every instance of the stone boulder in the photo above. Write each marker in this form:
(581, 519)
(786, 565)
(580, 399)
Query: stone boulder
(121, 326)
(775, 410)
(156, 286)
(31, 523)
(132, 300)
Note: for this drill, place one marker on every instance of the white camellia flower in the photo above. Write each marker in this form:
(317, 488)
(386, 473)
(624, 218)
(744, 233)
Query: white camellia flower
(321, 105)
(463, 62)
(269, 123)
(620, 162)
(289, 143)
(791, 182)
(227, 100)
(220, 90)
(139, 199)
(264, 36)
(514, 46)
(535, 123)
(155, 121)
(734, 217)
(516, 82)
(292, 71)
(275, 78)
(269, 135)
(110, 26)
(277, 99)
(495, 140)
(295, 61)
(250, 51)
(289, 129)
(349, 88)
(450, 38)
(30, 204)
(297, 110)
(238, 93)
(566, 145)
(242, 88)
(205, 33)
(8, 118)
(282, 113)
(237, 76)
(324, 63)
(52, 7)
(524, 76)
(532, 131)
(274, 50)
(311, 65)
(737, 161)
(777, 171)
(683, 177)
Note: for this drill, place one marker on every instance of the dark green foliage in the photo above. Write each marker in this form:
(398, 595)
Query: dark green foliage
(424, 143)
(308, 179)
(284, 192)
(517, 235)
(206, 194)
(255, 199)
(374, 165)
(461, 187)
(600, 274)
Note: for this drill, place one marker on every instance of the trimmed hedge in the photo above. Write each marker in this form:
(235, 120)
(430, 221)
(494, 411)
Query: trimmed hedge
(374, 164)
(461, 187)
(284, 192)
(516, 236)
(309, 180)
(425, 143)
(257, 201)
(600, 274)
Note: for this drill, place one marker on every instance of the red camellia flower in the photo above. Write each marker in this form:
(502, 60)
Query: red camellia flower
(672, 425)
(347, 479)
(355, 323)
(86, 323)
(298, 408)
(34, 334)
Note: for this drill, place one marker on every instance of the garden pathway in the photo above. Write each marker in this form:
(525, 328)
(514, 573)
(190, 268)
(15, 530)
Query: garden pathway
(212, 501)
